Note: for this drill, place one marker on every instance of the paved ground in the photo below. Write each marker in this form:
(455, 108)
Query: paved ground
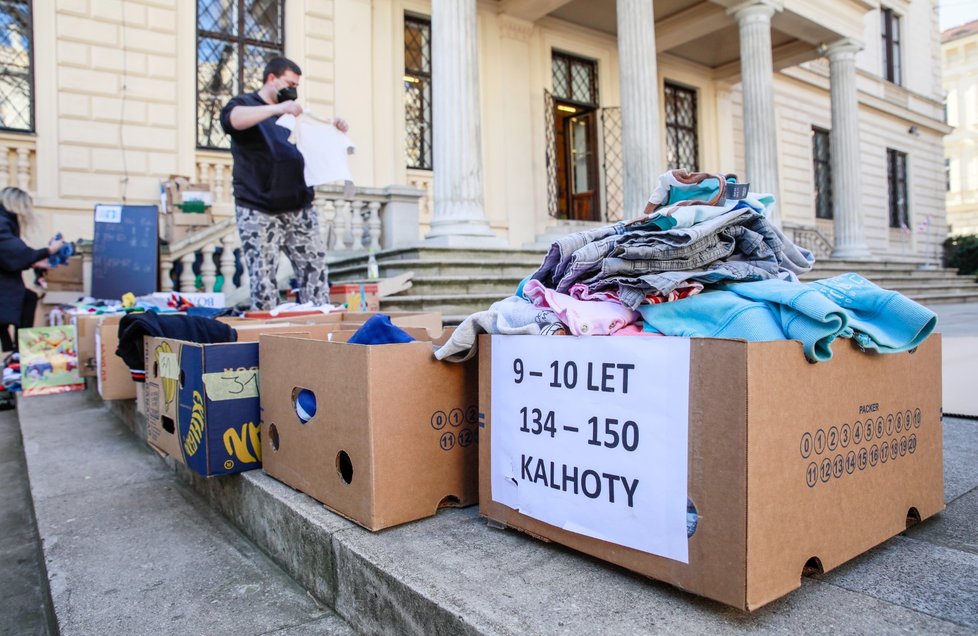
(22, 581)
(957, 319)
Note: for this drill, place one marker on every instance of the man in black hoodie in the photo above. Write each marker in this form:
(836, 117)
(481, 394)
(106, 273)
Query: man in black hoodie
(273, 205)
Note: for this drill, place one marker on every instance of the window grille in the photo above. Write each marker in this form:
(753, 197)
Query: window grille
(235, 39)
(822, 162)
(16, 66)
(890, 30)
(682, 138)
(896, 178)
(417, 92)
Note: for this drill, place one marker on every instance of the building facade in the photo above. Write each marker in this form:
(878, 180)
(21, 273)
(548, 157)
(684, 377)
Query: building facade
(516, 119)
(959, 50)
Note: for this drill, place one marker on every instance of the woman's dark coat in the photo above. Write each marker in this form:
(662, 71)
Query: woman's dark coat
(15, 257)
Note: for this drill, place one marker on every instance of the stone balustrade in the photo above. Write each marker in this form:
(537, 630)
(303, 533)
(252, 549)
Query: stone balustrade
(214, 170)
(373, 219)
(17, 161)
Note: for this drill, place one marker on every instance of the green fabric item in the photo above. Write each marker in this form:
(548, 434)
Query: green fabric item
(218, 282)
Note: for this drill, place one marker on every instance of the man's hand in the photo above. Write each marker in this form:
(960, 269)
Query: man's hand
(42, 264)
(290, 107)
(55, 246)
(341, 124)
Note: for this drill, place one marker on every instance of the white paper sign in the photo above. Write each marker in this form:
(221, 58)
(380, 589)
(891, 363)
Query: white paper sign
(108, 213)
(199, 299)
(591, 435)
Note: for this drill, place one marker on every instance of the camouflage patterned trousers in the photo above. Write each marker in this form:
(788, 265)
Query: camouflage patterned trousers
(264, 236)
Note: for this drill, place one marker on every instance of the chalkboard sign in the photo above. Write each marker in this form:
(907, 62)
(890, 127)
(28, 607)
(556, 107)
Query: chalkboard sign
(125, 251)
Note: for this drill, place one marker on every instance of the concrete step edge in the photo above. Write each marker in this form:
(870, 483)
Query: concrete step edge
(328, 565)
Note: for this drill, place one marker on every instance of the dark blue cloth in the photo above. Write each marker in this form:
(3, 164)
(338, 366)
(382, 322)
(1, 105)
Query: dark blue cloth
(209, 312)
(268, 173)
(379, 330)
(133, 327)
(61, 256)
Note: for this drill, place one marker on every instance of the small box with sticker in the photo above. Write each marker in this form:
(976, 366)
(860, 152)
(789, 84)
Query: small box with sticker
(201, 400)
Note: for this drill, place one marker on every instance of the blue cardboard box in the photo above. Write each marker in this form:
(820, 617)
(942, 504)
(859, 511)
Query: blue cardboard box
(201, 400)
(219, 412)
(201, 403)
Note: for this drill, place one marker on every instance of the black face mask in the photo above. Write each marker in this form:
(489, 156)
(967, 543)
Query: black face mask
(289, 93)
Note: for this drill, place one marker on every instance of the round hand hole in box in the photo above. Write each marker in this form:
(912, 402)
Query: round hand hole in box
(304, 404)
(183, 377)
(273, 436)
(344, 466)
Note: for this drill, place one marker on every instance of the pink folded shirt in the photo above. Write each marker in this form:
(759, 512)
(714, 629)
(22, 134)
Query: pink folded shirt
(689, 288)
(582, 317)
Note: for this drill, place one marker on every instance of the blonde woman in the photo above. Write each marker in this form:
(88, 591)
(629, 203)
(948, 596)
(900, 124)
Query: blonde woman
(17, 303)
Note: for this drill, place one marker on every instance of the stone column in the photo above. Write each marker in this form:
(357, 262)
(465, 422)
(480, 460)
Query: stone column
(639, 86)
(844, 140)
(757, 79)
(459, 217)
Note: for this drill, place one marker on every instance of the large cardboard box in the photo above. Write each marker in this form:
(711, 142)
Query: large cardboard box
(201, 400)
(85, 325)
(114, 380)
(788, 465)
(394, 434)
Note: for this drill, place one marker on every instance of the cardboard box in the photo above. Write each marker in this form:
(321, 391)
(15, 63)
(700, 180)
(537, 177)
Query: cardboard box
(790, 465)
(85, 325)
(355, 296)
(202, 404)
(179, 189)
(67, 277)
(201, 400)
(347, 320)
(394, 435)
(114, 380)
(179, 225)
(199, 299)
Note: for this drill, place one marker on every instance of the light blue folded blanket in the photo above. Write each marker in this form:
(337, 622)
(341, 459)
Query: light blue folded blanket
(845, 306)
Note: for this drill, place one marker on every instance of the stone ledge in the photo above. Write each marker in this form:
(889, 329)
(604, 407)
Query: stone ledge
(451, 574)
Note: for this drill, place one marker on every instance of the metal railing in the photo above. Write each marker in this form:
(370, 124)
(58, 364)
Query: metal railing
(810, 238)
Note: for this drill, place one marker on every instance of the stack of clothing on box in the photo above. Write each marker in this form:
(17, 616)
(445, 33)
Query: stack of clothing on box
(703, 261)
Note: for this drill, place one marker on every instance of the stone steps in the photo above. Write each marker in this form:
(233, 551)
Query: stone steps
(421, 268)
(458, 282)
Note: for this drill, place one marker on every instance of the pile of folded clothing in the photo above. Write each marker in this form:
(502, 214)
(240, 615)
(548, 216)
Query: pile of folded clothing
(704, 260)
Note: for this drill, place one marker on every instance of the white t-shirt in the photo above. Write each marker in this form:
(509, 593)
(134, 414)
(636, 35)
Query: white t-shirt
(324, 148)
